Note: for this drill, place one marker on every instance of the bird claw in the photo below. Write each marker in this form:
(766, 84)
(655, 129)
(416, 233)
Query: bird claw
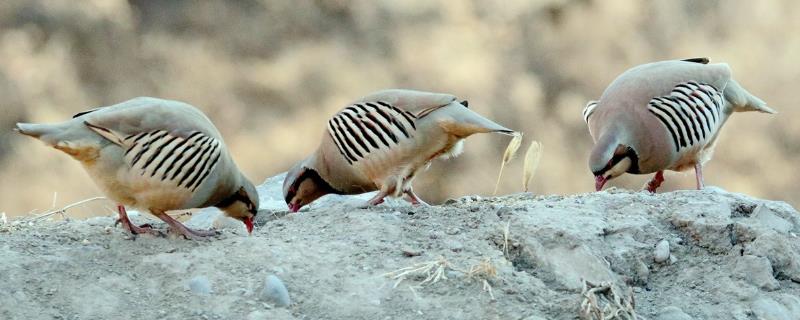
(196, 235)
(370, 204)
(414, 199)
(137, 230)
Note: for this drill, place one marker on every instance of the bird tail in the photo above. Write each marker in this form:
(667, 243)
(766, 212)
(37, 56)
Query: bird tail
(489, 126)
(50, 134)
(467, 122)
(742, 101)
(33, 129)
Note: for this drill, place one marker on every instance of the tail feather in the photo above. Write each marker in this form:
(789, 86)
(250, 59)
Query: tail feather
(50, 134)
(32, 129)
(742, 101)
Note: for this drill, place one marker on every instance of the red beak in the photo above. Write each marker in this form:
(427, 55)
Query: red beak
(294, 207)
(599, 182)
(248, 222)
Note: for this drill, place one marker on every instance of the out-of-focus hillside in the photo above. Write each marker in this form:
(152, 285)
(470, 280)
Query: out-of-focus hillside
(269, 72)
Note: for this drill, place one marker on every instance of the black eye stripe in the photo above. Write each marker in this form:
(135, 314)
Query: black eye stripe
(629, 153)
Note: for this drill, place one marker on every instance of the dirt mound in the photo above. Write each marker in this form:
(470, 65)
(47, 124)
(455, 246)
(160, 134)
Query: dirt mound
(678, 255)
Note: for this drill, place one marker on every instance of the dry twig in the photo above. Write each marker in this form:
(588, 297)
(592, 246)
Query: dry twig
(432, 270)
(65, 208)
(505, 238)
(484, 271)
(602, 302)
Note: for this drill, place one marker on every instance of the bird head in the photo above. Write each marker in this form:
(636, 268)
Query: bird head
(610, 159)
(242, 205)
(302, 186)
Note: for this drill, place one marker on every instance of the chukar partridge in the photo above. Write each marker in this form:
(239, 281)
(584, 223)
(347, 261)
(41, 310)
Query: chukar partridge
(663, 116)
(381, 142)
(157, 155)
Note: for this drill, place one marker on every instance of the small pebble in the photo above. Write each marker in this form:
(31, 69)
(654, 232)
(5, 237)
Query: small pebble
(200, 285)
(409, 252)
(661, 253)
(275, 291)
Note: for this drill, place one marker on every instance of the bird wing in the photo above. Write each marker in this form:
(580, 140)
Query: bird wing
(419, 103)
(146, 114)
(640, 80)
(168, 141)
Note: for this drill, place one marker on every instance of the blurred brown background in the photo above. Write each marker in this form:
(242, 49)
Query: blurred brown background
(269, 73)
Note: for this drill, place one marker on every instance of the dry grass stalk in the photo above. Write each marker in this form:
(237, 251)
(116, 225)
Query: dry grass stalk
(511, 150)
(531, 163)
(506, 232)
(433, 271)
(413, 291)
(602, 302)
(484, 271)
(64, 209)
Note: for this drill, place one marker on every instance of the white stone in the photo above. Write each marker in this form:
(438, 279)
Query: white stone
(661, 252)
(276, 292)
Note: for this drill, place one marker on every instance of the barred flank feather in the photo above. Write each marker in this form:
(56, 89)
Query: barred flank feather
(184, 161)
(363, 128)
(691, 113)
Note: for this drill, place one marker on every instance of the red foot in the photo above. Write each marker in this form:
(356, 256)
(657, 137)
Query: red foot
(655, 182)
(187, 233)
(130, 227)
(414, 199)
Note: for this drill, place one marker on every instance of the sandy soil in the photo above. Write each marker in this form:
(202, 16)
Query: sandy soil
(721, 255)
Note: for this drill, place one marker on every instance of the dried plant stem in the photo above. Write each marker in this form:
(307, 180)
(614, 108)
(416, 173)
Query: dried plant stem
(505, 238)
(67, 207)
(433, 270)
(602, 301)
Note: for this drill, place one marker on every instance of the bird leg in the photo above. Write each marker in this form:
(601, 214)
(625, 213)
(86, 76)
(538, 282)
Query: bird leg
(376, 200)
(129, 226)
(698, 174)
(188, 233)
(655, 182)
(413, 198)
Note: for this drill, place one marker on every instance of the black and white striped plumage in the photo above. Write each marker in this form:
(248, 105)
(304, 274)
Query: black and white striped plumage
(364, 128)
(663, 116)
(691, 113)
(185, 162)
(156, 155)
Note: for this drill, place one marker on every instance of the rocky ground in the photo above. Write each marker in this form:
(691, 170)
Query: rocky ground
(678, 255)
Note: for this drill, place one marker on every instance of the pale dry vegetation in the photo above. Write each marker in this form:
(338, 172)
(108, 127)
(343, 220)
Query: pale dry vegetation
(269, 72)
